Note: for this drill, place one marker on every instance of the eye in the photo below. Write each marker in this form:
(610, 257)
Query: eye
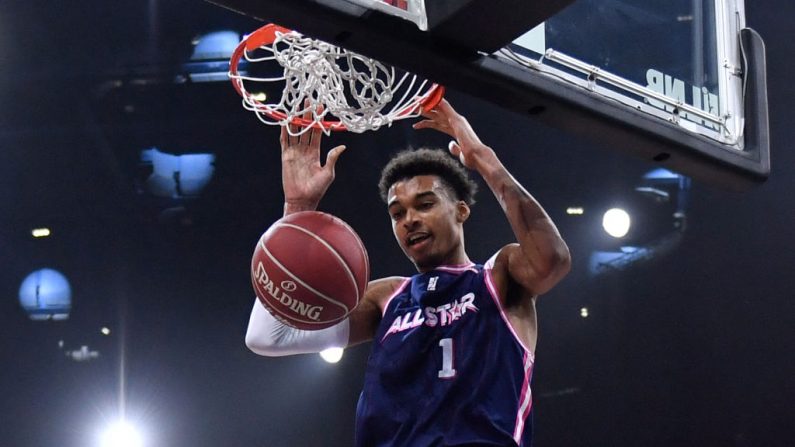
(425, 205)
(396, 215)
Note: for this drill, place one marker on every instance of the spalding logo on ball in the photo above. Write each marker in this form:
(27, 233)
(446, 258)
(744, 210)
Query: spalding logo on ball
(310, 270)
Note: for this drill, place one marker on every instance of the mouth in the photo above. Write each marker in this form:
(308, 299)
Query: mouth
(417, 239)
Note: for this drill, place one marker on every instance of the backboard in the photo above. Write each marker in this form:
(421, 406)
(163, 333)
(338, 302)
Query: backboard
(681, 82)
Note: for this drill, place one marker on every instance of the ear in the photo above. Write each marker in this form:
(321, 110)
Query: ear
(461, 211)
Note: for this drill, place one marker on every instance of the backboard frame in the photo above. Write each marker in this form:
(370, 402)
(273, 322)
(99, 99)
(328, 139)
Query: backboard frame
(481, 74)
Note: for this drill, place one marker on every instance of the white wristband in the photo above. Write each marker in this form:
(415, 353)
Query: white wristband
(268, 336)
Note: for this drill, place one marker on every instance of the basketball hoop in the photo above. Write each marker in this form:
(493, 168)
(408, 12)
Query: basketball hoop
(339, 89)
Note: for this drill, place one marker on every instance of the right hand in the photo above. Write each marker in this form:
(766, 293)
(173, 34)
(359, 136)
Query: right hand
(304, 180)
(467, 145)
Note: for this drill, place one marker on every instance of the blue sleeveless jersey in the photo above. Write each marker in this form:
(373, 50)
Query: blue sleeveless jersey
(446, 368)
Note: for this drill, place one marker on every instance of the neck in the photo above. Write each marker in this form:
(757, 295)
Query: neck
(457, 256)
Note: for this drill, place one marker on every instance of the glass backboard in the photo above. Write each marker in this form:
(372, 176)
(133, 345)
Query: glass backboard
(679, 60)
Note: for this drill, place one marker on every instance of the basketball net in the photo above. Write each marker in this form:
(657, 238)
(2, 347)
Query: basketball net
(325, 86)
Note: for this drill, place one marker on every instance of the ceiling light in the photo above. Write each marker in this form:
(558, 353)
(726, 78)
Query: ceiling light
(575, 210)
(616, 222)
(40, 232)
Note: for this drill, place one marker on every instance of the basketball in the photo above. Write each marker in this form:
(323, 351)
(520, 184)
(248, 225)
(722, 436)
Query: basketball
(310, 270)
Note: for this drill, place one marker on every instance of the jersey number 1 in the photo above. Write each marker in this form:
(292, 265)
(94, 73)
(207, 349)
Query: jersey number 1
(447, 371)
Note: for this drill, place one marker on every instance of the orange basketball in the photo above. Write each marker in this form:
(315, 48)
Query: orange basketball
(310, 270)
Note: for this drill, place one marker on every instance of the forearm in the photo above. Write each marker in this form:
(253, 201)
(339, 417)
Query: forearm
(269, 337)
(538, 237)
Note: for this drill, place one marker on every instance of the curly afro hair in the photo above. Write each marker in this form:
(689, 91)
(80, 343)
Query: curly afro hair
(411, 163)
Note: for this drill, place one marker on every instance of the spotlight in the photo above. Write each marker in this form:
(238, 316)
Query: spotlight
(45, 294)
(121, 434)
(616, 222)
(332, 355)
(658, 204)
(177, 176)
(210, 59)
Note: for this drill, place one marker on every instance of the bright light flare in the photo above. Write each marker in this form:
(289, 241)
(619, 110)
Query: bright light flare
(332, 355)
(584, 312)
(616, 222)
(121, 434)
(40, 232)
(575, 211)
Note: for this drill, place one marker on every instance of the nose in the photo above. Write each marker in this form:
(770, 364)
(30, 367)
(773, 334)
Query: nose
(410, 220)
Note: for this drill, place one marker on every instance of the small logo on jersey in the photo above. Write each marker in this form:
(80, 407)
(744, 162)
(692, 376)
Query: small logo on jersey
(441, 316)
(432, 283)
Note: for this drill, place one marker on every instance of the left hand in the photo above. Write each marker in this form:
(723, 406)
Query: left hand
(304, 179)
(467, 145)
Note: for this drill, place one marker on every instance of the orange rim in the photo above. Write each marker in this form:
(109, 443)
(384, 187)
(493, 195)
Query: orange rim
(266, 35)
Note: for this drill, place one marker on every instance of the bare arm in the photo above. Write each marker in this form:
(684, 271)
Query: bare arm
(541, 258)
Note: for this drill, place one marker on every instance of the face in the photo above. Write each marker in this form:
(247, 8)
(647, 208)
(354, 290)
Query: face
(427, 221)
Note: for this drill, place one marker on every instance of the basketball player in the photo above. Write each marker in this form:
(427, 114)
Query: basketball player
(453, 345)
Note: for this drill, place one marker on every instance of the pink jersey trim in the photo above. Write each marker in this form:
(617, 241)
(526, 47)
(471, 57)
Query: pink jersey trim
(494, 296)
(526, 395)
(394, 294)
(525, 400)
(459, 268)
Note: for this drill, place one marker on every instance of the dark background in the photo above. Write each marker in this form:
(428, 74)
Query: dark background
(691, 349)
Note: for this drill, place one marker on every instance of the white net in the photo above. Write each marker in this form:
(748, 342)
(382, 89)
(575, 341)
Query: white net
(323, 81)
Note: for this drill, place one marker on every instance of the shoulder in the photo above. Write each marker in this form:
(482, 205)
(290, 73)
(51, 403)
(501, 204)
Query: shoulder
(379, 291)
(499, 261)
(524, 269)
(498, 268)
(365, 317)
